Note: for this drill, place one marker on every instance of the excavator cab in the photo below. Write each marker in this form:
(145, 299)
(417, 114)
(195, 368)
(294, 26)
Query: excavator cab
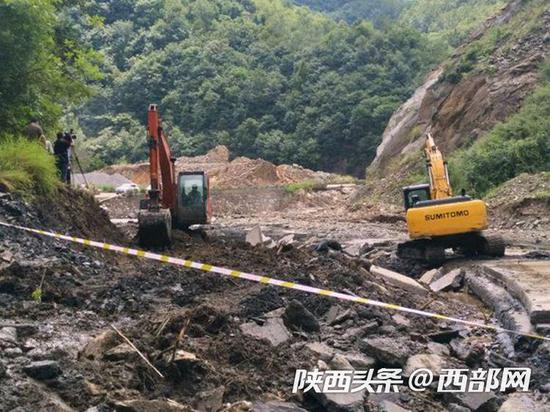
(193, 203)
(416, 193)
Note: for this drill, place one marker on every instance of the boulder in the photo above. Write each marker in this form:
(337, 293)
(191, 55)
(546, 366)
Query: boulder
(43, 370)
(474, 400)
(296, 316)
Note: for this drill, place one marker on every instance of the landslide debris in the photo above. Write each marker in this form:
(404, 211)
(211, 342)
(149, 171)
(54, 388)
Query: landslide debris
(522, 203)
(191, 325)
(226, 174)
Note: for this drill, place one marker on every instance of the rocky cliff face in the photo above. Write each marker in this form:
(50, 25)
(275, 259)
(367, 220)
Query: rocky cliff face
(484, 82)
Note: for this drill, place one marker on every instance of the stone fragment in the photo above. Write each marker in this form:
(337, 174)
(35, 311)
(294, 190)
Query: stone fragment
(157, 405)
(339, 362)
(388, 350)
(298, 317)
(438, 349)
(388, 406)
(273, 331)
(96, 347)
(276, 406)
(428, 276)
(210, 401)
(322, 350)
(120, 352)
(43, 370)
(450, 281)
(424, 361)
(8, 334)
(399, 280)
(360, 361)
(522, 402)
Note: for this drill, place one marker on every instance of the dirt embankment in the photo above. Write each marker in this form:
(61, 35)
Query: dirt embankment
(226, 174)
(522, 203)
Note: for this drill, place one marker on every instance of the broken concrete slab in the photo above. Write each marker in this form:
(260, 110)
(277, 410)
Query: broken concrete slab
(432, 362)
(450, 281)
(526, 280)
(388, 350)
(273, 331)
(428, 277)
(399, 280)
(9, 335)
(255, 237)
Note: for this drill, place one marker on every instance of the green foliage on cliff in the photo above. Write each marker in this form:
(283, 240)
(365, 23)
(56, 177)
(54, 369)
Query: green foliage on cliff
(521, 144)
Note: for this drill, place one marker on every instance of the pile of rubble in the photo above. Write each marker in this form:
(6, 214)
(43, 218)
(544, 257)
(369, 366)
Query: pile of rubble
(239, 172)
(82, 328)
(522, 203)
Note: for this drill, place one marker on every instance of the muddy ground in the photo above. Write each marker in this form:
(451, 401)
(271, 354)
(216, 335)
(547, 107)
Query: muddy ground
(84, 292)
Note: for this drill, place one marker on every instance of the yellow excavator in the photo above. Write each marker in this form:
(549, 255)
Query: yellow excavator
(437, 220)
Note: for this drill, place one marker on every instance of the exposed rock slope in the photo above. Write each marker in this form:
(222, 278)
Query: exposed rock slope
(484, 82)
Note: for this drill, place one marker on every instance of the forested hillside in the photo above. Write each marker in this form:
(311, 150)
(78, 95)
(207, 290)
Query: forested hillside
(263, 77)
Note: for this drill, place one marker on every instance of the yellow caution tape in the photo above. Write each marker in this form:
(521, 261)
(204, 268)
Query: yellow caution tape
(267, 280)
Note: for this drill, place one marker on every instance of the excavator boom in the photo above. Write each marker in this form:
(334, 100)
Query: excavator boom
(440, 186)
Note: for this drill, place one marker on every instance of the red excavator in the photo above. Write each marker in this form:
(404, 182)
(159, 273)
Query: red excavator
(172, 202)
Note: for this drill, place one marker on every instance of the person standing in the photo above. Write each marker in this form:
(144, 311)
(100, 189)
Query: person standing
(61, 152)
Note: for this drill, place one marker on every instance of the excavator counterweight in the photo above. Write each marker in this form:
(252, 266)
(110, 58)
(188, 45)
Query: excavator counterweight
(178, 202)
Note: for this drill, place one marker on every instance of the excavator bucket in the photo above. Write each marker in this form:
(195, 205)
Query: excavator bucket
(155, 228)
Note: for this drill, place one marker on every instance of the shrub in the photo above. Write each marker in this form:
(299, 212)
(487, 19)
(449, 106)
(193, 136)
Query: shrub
(26, 167)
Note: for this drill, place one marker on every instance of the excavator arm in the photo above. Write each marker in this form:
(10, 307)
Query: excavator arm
(161, 164)
(440, 186)
(155, 217)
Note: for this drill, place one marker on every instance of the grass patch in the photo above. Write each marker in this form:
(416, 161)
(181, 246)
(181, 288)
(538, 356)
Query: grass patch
(308, 186)
(26, 168)
(106, 188)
